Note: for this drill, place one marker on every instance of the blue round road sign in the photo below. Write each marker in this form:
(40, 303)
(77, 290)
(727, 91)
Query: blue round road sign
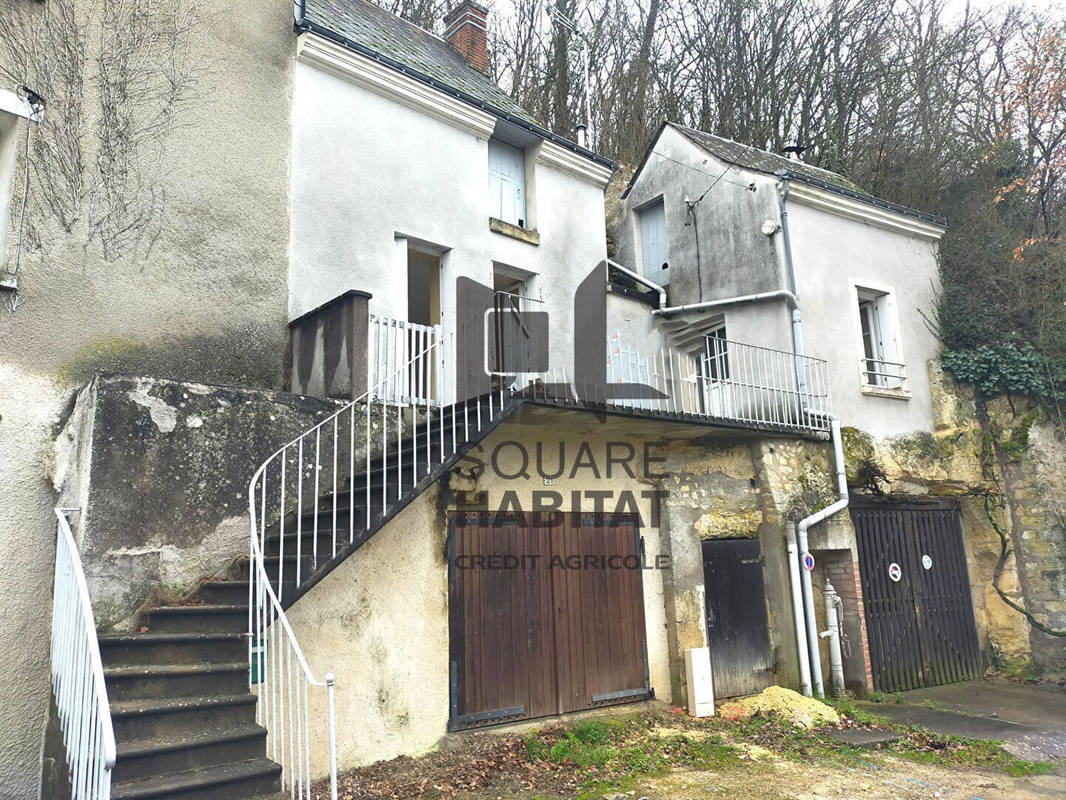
(808, 561)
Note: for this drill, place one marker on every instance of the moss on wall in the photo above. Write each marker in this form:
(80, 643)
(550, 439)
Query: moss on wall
(247, 355)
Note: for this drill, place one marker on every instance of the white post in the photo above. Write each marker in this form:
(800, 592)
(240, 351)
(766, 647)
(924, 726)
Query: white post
(833, 623)
(331, 705)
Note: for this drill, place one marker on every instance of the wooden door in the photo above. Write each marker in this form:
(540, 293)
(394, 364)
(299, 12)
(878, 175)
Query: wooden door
(546, 616)
(738, 632)
(916, 593)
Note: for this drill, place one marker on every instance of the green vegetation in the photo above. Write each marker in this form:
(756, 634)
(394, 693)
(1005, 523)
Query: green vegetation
(933, 748)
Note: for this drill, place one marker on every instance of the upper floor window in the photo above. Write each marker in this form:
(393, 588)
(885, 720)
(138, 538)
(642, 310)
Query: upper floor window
(507, 182)
(653, 245)
(882, 366)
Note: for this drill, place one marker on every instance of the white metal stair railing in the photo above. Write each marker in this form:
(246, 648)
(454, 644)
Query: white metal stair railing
(284, 679)
(399, 425)
(318, 497)
(396, 341)
(78, 676)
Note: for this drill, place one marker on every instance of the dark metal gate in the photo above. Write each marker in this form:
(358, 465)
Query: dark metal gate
(738, 632)
(916, 592)
(546, 615)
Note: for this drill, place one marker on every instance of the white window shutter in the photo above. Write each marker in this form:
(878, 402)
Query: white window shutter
(507, 182)
(653, 247)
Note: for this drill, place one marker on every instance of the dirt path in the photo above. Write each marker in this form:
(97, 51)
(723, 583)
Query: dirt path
(876, 778)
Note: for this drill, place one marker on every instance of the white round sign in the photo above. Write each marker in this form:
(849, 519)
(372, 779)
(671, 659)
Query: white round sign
(927, 561)
(894, 572)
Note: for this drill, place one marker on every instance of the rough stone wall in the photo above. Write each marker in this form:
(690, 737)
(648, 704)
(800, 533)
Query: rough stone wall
(159, 473)
(1005, 462)
(205, 302)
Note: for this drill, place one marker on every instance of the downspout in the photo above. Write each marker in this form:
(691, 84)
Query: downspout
(805, 576)
(298, 13)
(797, 609)
(790, 271)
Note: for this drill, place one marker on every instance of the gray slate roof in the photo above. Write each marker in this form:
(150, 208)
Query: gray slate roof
(760, 160)
(756, 160)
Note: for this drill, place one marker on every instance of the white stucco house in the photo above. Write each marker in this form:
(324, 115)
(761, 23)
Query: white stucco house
(759, 248)
(269, 587)
(412, 168)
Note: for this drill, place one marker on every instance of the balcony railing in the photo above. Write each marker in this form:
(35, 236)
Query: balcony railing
(881, 374)
(733, 381)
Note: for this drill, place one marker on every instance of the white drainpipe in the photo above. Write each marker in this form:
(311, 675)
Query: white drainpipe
(805, 576)
(797, 609)
(641, 279)
(788, 296)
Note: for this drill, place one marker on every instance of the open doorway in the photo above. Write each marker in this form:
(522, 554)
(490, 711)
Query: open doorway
(423, 288)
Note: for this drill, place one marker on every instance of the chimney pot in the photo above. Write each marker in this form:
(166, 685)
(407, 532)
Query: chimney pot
(465, 27)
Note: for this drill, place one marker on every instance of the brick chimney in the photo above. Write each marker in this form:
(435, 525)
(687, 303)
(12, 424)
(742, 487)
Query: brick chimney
(465, 27)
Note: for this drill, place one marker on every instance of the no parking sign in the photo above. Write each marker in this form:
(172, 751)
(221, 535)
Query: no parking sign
(808, 561)
(894, 572)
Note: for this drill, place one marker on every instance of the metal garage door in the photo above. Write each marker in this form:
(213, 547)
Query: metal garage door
(546, 615)
(916, 592)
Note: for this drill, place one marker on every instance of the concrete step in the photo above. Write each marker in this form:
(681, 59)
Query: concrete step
(240, 779)
(135, 681)
(221, 592)
(198, 619)
(119, 649)
(139, 759)
(147, 718)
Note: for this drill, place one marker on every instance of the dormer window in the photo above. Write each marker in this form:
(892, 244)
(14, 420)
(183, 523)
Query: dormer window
(507, 183)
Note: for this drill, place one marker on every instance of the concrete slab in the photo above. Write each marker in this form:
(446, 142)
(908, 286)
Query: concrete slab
(1040, 706)
(1030, 719)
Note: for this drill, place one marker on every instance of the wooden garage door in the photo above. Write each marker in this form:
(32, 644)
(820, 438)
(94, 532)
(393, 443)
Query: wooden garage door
(916, 592)
(546, 615)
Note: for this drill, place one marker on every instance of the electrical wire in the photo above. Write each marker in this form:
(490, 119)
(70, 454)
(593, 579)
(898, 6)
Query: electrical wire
(717, 176)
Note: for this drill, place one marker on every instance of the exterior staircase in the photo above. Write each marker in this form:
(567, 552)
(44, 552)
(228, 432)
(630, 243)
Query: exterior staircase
(183, 715)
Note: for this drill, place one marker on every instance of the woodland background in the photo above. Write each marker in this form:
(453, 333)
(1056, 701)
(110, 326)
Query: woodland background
(934, 105)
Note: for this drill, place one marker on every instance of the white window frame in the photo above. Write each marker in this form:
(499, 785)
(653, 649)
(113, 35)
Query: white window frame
(891, 380)
(653, 272)
(503, 183)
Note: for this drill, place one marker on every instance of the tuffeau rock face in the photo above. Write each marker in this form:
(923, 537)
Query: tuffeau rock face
(1005, 461)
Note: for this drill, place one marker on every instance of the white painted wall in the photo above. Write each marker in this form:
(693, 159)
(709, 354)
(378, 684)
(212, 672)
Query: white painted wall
(373, 166)
(833, 250)
(832, 255)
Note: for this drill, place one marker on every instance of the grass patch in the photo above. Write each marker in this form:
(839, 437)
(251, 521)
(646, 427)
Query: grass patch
(611, 754)
(846, 707)
(928, 747)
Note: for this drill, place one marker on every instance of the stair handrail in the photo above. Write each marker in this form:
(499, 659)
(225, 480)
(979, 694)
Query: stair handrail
(263, 619)
(267, 657)
(78, 675)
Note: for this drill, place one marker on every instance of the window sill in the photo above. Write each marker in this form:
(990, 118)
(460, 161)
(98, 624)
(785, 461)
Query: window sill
(880, 391)
(507, 229)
